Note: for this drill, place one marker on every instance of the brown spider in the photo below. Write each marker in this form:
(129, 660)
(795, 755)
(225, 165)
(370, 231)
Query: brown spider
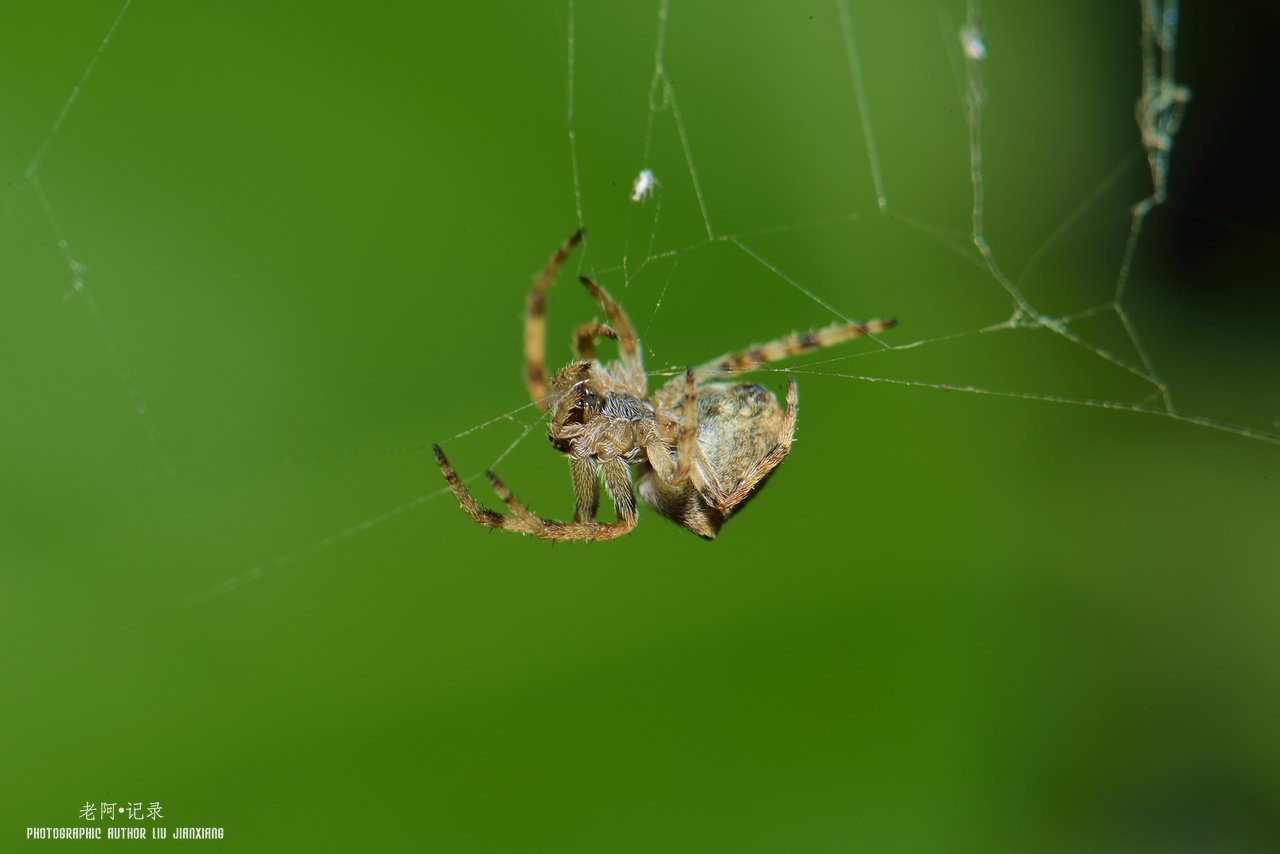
(700, 450)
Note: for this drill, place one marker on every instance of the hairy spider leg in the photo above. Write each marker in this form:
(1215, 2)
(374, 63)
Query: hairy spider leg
(535, 323)
(628, 344)
(570, 375)
(473, 508)
(617, 479)
(688, 444)
(582, 469)
(584, 339)
(586, 489)
(617, 482)
(794, 344)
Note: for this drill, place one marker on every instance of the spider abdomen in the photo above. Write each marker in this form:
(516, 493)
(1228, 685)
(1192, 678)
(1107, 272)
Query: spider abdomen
(737, 425)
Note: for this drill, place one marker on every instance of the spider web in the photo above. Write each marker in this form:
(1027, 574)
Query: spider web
(890, 191)
(1015, 582)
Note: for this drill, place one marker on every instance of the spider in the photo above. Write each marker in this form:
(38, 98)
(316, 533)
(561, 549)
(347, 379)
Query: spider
(700, 450)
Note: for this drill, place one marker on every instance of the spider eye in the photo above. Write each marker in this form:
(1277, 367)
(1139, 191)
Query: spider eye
(561, 445)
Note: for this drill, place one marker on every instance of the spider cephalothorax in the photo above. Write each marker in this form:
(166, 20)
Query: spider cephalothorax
(699, 449)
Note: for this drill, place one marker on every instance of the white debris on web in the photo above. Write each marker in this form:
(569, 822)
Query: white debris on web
(973, 42)
(643, 186)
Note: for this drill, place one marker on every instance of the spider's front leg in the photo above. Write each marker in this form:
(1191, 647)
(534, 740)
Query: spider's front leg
(586, 489)
(478, 512)
(524, 521)
(617, 482)
(535, 324)
(586, 474)
(628, 344)
(587, 471)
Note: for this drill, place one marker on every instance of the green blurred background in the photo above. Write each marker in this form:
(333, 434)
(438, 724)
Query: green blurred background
(953, 622)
